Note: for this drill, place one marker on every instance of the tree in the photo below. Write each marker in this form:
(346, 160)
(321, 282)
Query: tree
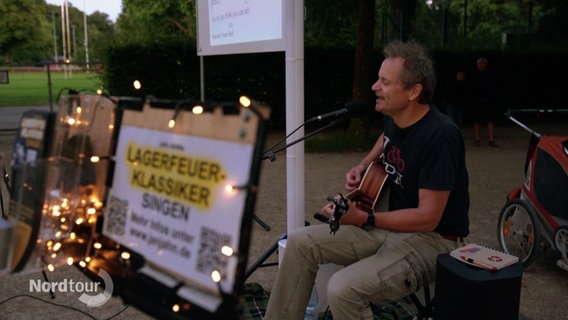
(100, 35)
(549, 20)
(401, 16)
(22, 23)
(363, 69)
(143, 21)
(100, 31)
(330, 24)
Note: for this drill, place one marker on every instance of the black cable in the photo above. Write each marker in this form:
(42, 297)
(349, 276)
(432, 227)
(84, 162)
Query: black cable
(270, 152)
(51, 293)
(61, 305)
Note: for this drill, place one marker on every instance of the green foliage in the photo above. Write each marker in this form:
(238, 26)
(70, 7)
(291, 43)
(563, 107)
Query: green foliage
(330, 24)
(27, 32)
(21, 26)
(144, 21)
(483, 23)
(27, 26)
(154, 42)
(100, 35)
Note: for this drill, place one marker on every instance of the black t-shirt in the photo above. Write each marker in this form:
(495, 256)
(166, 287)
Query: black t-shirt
(484, 88)
(459, 93)
(430, 154)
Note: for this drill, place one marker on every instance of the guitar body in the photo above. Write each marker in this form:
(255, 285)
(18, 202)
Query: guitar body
(371, 189)
(371, 194)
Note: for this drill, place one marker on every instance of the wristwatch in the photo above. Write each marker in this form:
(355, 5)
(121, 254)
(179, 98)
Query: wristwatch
(370, 224)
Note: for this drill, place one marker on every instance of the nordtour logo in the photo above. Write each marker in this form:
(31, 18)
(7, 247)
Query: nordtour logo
(92, 295)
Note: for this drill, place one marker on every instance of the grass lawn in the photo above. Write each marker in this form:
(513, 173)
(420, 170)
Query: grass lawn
(32, 89)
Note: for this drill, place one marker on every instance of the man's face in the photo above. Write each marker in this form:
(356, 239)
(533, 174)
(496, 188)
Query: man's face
(392, 97)
(481, 65)
(460, 75)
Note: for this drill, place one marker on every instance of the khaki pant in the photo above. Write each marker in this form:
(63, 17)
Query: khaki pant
(379, 265)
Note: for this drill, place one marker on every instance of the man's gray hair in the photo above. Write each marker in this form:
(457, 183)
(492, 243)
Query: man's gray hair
(418, 66)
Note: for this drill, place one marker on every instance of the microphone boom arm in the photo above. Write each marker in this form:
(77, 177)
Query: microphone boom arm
(271, 154)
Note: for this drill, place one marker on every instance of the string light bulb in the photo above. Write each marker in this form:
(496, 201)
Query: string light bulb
(216, 276)
(227, 251)
(245, 101)
(125, 255)
(198, 109)
(97, 159)
(230, 188)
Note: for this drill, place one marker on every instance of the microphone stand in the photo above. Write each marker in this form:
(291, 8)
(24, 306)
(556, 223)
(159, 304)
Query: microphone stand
(271, 154)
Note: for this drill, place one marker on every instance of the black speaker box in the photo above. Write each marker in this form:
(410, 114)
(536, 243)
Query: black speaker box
(467, 292)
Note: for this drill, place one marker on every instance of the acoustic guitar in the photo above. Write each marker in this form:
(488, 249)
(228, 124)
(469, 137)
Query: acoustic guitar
(371, 193)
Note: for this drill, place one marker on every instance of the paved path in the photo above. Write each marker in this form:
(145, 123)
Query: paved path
(10, 116)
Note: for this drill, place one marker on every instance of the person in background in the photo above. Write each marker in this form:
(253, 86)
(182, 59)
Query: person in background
(387, 254)
(483, 101)
(458, 97)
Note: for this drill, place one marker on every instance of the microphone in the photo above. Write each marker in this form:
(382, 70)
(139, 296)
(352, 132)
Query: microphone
(352, 109)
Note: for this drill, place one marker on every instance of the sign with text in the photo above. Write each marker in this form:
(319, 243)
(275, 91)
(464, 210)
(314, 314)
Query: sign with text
(182, 197)
(239, 26)
(170, 201)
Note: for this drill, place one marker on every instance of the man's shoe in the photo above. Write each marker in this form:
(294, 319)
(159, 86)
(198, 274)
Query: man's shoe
(477, 143)
(492, 144)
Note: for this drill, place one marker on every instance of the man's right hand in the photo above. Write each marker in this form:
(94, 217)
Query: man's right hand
(353, 177)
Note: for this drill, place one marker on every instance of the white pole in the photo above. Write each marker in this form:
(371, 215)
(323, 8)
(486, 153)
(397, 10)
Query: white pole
(63, 37)
(86, 37)
(67, 31)
(201, 79)
(294, 45)
(68, 58)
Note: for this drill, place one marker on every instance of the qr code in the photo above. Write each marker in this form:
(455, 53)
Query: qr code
(209, 257)
(115, 217)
